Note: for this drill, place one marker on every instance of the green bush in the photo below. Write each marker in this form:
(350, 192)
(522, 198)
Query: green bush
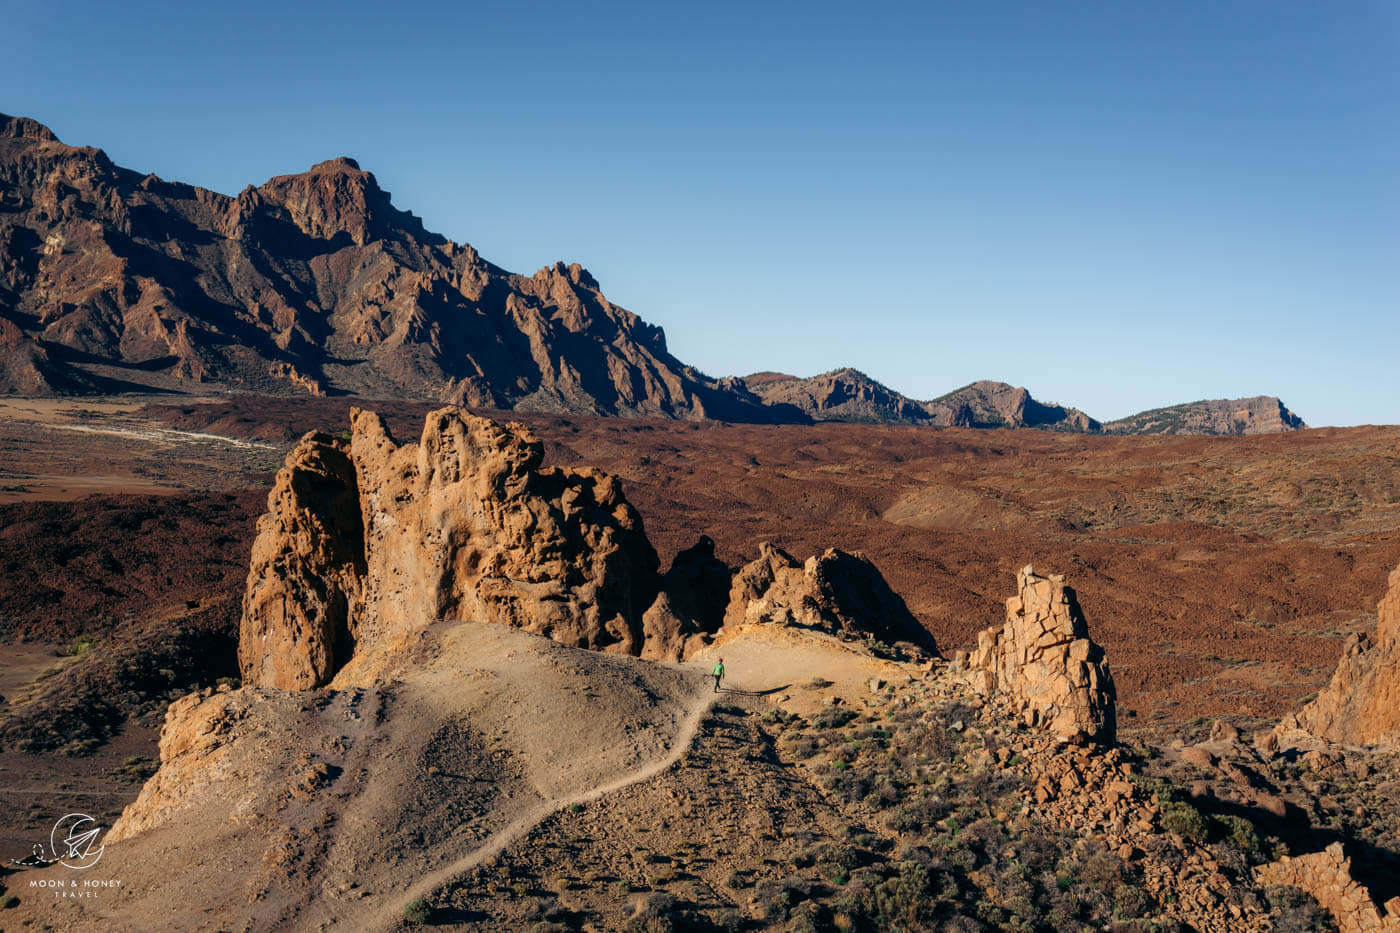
(417, 912)
(81, 646)
(1185, 820)
(833, 717)
(1240, 834)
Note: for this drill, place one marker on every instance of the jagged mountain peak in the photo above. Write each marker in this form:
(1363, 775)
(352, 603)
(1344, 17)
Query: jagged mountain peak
(311, 282)
(12, 127)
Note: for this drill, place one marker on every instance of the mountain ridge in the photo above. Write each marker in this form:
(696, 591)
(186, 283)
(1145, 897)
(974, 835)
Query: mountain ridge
(316, 283)
(312, 282)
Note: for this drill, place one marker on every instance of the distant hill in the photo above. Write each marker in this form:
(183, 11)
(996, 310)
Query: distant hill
(988, 404)
(1263, 414)
(840, 395)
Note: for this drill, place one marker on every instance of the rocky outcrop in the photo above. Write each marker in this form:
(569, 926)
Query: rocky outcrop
(1326, 875)
(367, 541)
(690, 608)
(1361, 704)
(1042, 663)
(840, 395)
(194, 745)
(1263, 414)
(988, 404)
(302, 605)
(837, 592)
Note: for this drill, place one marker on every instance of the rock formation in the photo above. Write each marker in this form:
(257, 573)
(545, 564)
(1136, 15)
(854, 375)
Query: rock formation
(360, 549)
(690, 607)
(302, 604)
(1043, 664)
(1326, 875)
(988, 404)
(1263, 414)
(193, 752)
(837, 592)
(1361, 704)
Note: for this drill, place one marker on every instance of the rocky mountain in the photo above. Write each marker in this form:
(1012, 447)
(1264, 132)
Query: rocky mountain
(988, 404)
(840, 395)
(1263, 414)
(311, 283)
(315, 283)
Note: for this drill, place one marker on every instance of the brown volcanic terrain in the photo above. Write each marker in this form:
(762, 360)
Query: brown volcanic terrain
(1221, 575)
(1224, 572)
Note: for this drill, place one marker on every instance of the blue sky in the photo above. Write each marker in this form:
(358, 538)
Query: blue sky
(1118, 205)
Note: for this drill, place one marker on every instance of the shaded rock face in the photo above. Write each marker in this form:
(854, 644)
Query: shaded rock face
(1361, 704)
(369, 542)
(1263, 414)
(690, 607)
(837, 592)
(302, 605)
(1042, 662)
(310, 283)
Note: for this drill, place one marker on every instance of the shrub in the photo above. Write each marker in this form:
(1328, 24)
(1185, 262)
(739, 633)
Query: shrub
(81, 646)
(1185, 820)
(833, 717)
(417, 912)
(1240, 834)
(652, 912)
(1295, 911)
(1130, 901)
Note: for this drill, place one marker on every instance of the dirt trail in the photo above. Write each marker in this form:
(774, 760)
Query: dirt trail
(387, 917)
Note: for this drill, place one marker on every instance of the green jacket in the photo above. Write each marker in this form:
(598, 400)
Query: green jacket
(719, 669)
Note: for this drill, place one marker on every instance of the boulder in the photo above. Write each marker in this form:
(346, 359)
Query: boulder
(837, 592)
(1043, 662)
(1361, 704)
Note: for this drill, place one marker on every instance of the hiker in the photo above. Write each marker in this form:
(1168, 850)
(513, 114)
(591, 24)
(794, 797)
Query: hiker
(718, 672)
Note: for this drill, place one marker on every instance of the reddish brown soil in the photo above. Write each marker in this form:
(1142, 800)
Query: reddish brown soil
(1220, 573)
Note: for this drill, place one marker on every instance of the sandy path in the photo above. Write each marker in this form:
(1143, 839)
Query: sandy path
(388, 916)
(781, 663)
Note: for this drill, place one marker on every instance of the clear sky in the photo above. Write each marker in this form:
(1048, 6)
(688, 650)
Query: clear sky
(1119, 205)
